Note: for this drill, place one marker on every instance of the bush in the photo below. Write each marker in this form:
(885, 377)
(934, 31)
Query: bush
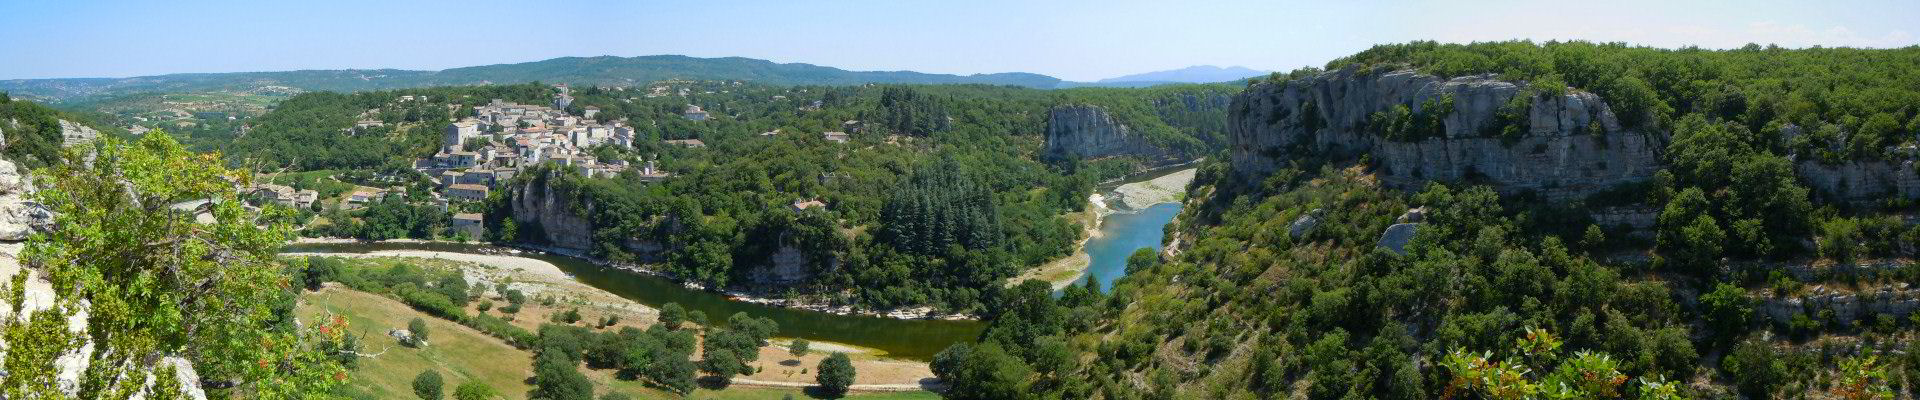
(1727, 310)
(1754, 368)
(428, 385)
(474, 391)
(799, 347)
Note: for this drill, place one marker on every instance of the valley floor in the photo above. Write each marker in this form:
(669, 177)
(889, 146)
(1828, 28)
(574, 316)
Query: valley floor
(463, 354)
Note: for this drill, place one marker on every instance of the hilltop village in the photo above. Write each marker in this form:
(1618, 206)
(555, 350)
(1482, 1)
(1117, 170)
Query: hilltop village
(493, 142)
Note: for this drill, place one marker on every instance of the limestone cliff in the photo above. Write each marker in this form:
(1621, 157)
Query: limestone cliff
(552, 213)
(1861, 181)
(1087, 131)
(560, 215)
(1569, 144)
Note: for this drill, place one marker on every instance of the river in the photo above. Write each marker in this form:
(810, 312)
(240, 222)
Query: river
(1120, 234)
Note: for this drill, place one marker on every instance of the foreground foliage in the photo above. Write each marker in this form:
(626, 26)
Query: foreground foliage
(154, 284)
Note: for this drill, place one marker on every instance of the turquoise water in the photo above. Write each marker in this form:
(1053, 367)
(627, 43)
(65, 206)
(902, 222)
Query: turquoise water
(1120, 235)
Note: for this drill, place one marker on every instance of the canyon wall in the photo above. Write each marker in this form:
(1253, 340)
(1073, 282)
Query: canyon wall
(1087, 131)
(1569, 144)
(538, 203)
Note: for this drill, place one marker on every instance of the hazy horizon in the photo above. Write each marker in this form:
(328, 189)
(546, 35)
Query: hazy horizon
(1075, 41)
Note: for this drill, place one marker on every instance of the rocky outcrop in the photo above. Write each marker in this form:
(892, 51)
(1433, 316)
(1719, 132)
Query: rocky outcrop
(19, 218)
(1570, 144)
(1847, 307)
(1086, 131)
(72, 133)
(1397, 236)
(553, 211)
(1861, 181)
(1305, 223)
(557, 215)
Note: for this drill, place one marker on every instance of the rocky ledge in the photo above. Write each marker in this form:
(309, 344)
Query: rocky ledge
(1568, 145)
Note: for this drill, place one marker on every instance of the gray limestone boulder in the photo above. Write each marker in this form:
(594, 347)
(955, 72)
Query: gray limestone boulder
(1397, 236)
(1305, 223)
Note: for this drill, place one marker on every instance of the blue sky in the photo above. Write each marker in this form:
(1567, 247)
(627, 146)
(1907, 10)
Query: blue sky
(1075, 40)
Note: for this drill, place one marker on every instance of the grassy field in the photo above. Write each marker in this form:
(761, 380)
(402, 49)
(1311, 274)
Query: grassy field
(461, 354)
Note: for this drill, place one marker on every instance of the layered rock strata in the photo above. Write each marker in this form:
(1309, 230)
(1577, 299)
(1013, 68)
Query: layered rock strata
(1571, 144)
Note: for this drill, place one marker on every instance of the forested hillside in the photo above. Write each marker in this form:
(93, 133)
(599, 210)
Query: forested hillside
(1316, 281)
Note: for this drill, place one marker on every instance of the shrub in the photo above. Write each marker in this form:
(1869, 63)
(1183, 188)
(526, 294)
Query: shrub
(474, 391)
(428, 385)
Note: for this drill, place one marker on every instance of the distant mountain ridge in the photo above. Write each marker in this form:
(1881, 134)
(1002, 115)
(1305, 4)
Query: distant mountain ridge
(602, 70)
(1193, 74)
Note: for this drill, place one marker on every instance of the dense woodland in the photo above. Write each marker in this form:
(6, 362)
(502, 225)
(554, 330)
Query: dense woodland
(1513, 297)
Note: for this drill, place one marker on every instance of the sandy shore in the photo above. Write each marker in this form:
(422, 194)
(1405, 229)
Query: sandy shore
(1169, 188)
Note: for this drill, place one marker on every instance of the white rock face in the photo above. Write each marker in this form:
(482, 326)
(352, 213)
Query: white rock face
(1861, 181)
(1084, 131)
(553, 211)
(18, 217)
(560, 216)
(73, 133)
(1897, 303)
(1574, 144)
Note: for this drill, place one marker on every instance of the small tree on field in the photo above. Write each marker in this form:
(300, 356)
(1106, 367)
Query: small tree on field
(836, 374)
(417, 332)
